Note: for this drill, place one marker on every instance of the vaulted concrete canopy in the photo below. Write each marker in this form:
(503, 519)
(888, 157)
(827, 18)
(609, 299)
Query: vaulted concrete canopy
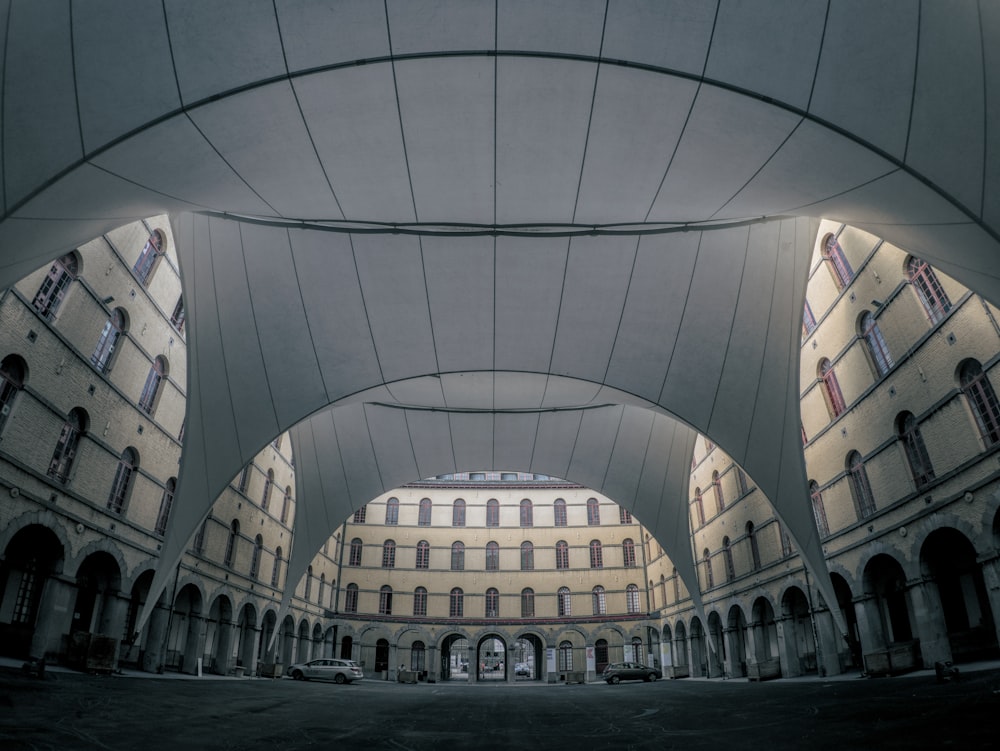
(372, 194)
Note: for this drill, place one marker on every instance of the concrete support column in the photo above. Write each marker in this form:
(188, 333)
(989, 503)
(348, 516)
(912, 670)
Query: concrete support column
(250, 649)
(112, 622)
(756, 644)
(731, 664)
(716, 661)
(931, 628)
(152, 656)
(55, 614)
(194, 644)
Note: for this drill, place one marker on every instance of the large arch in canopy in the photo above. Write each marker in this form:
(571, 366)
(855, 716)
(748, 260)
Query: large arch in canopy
(384, 201)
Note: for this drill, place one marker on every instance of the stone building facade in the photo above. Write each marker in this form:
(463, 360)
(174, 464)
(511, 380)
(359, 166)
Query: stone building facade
(901, 433)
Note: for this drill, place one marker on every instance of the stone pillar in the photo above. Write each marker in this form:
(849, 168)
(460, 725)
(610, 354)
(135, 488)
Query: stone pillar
(869, 620)
(250, 649)
(991, 577)
(112, 622)
(153, 656)
(733, 656)
(788, 652)
(55, 614)
(433, 665)
(830, 640)
(930, 626)
(224, 647)
(716, 659)
(194, 644)
(393, 672)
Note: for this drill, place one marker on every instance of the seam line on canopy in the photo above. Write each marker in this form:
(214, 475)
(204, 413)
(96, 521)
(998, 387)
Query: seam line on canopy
(399, 111)
(590, 114)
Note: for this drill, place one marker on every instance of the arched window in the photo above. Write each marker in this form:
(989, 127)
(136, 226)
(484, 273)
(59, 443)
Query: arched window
(244, 480)
(309, 583)
(423, 554)
(178, 316)
(67, 444)
(565, 656)
(914, 448)
(351, 599)
(286, 504)
(559, 512)
(420, 601)
(878, 350)
(458, 513)
(322, 589)
(819, 512)
(754, 547)
(720, 501)
(234, 533)
(198, 544)
(424, 514)
(457, 556)
(593, 512)
(786, 540)
(149, 258)
(663, 589)
(562, 555)
(151, 389)
(836, 261)
(265, 498)
(982, 400)
(527, 556)
(564, 597)
(624, 515)
(677, 586)
(53, 289)
(527, 513)
(699, 507)
(354, 558)
(596, 554)
(741, 479)
(276, 570)
(636, 650)
(632, 598)
(389, 554)
(808, 320)
(392, 512)
(492, 513)
(861, 489)
(527, 603)
(360, 514)
(929, 291)
(628, 552)
(492, 556)
(12, 375)
(121, 485)
(652, 596)
(706, 556)
(385, 600)
(492, 603)
(258, 546)
(600, 599)
(831, 389)
(456, 603)
(107, 343)
(727, 555)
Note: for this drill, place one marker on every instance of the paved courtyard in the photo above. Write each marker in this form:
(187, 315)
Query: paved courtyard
(75, 711)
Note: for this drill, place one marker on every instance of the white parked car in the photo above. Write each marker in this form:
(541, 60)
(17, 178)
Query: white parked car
(326, 669)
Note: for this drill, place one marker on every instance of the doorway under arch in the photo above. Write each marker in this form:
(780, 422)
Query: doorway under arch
(455, 658)
(526, 654)
(491, 658)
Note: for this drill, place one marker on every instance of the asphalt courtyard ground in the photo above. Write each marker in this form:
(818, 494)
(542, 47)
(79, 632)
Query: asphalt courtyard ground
(76, 711)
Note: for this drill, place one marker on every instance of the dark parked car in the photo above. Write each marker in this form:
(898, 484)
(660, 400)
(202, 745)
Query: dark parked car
(326, 669)
(630, 671)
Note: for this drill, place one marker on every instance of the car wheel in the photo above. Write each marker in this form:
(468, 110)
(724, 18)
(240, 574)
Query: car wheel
(339, 678)
(651, 677)
(614, 680)
(297, 675)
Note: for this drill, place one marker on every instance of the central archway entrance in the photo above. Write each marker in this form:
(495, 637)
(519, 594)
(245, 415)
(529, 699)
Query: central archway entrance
(526, 655)
(491, 657)
(455, 658)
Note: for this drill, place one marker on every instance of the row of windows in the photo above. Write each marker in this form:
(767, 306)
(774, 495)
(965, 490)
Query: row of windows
(527, 555)
(526, 513)
(720, 500)
(243, 483)
(456, 601)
